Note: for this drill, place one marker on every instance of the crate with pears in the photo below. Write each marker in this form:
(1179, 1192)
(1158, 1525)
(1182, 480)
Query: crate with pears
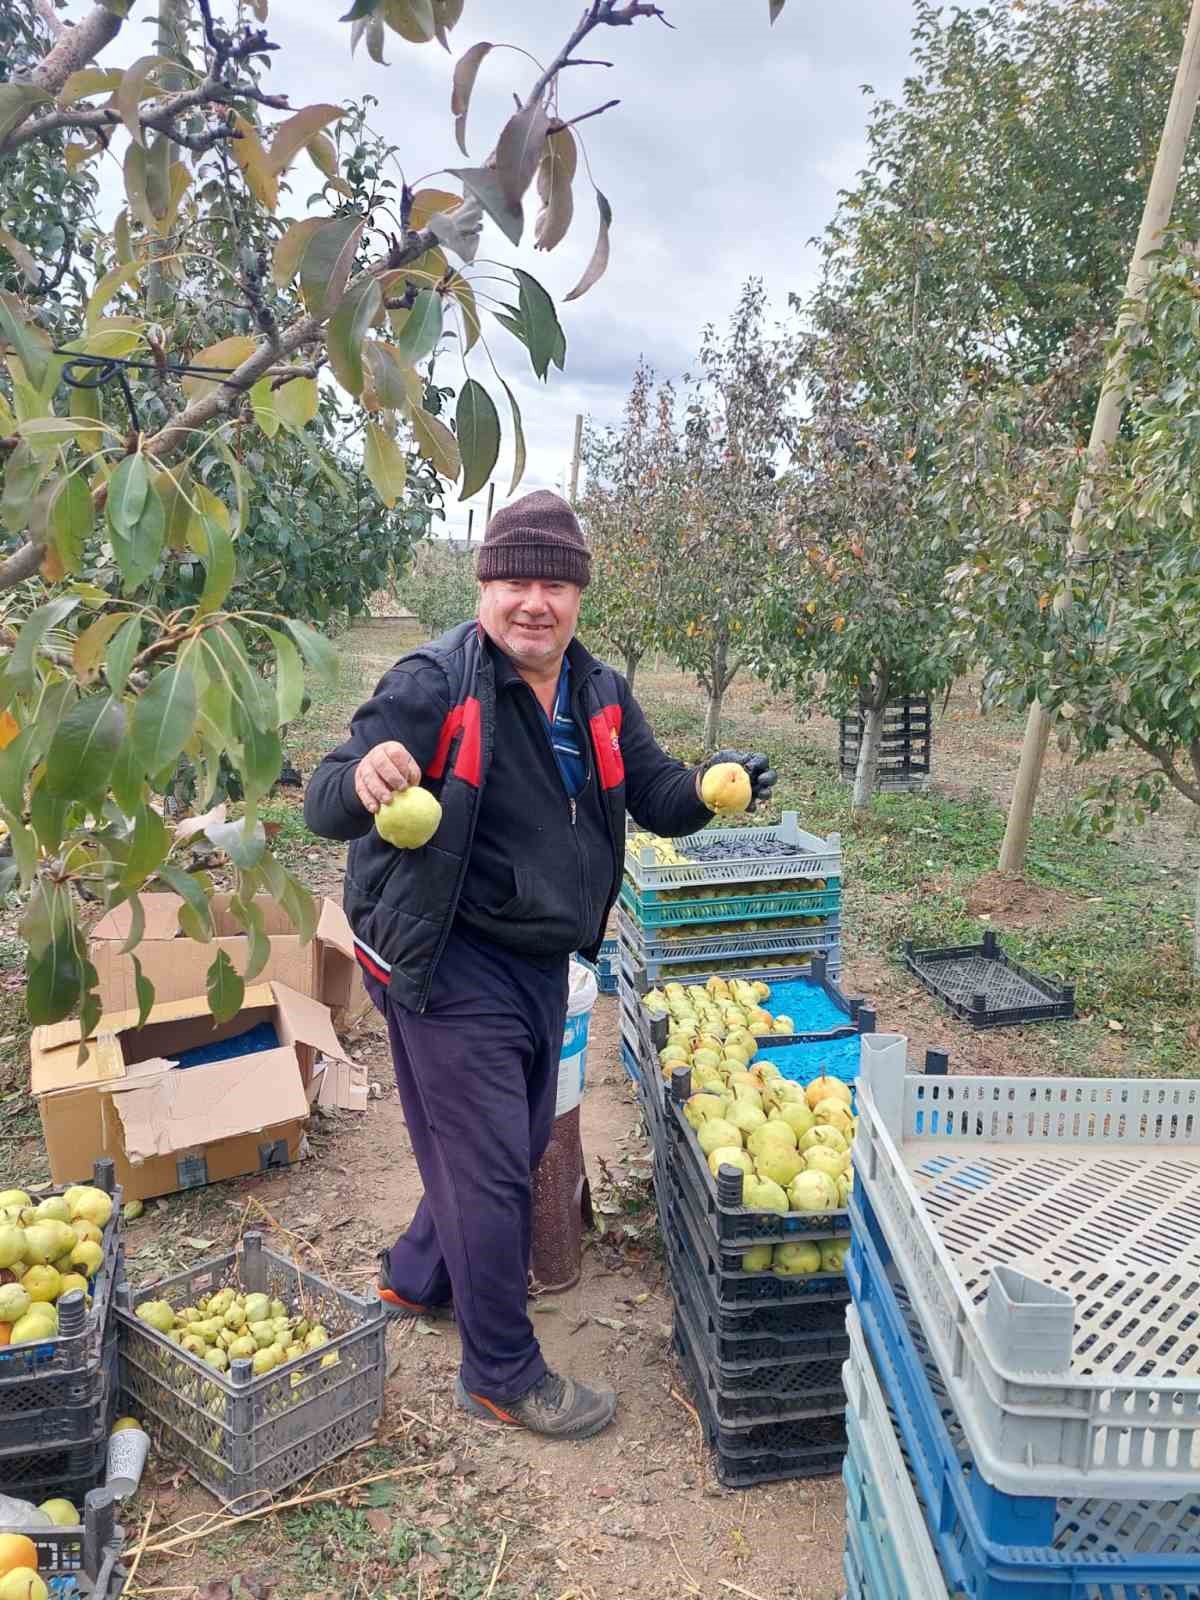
(51, 1550)
(60, 1257)
(253, 1371)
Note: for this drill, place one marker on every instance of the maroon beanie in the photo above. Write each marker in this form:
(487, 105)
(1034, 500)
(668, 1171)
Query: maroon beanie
(535, 537)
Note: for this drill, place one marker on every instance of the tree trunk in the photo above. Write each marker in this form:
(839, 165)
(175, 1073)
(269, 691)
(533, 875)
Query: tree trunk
(632, 657)
(712, 718)
(868, 749)
(1196, 930)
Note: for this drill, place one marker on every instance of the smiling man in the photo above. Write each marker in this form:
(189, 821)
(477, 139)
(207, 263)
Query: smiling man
(535, 750)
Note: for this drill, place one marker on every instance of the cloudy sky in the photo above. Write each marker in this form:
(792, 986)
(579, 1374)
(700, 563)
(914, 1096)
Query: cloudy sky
(722, 160)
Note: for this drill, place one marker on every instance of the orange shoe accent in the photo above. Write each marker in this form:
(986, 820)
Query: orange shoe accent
(393, 1299)
(497, 1412)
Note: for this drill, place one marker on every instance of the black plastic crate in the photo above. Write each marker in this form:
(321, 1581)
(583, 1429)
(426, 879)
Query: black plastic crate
(31, 1471)
(52, 1392)
(808, 1330)
(859, 1017)
(721, 1270)
(905, 748)
(760, 1452)
(90, 1554)
(979, 983)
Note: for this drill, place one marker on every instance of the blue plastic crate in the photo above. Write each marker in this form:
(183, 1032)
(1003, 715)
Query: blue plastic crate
(996, 1546)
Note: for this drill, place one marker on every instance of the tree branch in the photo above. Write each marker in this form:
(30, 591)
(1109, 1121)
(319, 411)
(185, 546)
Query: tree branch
(1190, 791)
(160, 120)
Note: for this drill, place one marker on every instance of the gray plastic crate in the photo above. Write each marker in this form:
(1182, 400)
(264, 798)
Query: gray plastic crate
(813, 857)
(243, 1437)
(1048, 1233)
(90, 1554)
(729, 946)
(51, 1392)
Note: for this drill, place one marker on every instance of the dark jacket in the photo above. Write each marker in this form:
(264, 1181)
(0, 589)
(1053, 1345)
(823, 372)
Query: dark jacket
(513, 860)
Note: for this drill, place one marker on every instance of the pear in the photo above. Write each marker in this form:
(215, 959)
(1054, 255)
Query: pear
(761, 1194)
(156, 1314)
(833, 1254)
(745, 1116)
(725, 788)
(13, 1197)
(757, 1258)
(812, 1191)
(53, 1209)
(822, 1088)
(409, 819)
(819, 1136)
(798, 1260)
(258, 1307)
(14, 1302)
(716, 1133)
(830, 1162)
(729, 1155)
(12, 1246)
(93, 1204)
(779, 1164)
(772, 1135)
(698, 1108)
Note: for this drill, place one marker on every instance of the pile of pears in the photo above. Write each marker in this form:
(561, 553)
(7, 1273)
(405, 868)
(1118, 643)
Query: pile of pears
(47, 1249)
(705, 1021)
(229, 1325)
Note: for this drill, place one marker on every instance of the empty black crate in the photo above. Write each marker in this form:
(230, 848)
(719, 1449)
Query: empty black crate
(905, 748)
(979, 983)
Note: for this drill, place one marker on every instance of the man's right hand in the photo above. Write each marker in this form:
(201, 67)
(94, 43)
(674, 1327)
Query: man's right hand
(383, 772)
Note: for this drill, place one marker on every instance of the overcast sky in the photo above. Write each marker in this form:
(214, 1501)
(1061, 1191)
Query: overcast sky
(722, 160)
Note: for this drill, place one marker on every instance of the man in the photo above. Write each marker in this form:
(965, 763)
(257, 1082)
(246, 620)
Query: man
(534, 749)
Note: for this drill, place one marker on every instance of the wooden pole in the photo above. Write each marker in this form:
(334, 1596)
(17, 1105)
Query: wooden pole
(1156, 216)
(491, 503)
(172, 38)
(470, 523)
(576, 453)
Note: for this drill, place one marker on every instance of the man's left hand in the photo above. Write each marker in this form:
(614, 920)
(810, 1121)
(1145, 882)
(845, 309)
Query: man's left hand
(758, 769)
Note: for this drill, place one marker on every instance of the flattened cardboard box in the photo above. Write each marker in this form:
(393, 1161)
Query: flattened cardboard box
(167, 1127)
(176, 966)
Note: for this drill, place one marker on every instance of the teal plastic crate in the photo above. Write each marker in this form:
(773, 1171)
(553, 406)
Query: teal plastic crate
(651, 910)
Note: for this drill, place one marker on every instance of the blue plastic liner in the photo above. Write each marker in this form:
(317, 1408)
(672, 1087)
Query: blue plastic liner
(832, 1058)
(262, 1036)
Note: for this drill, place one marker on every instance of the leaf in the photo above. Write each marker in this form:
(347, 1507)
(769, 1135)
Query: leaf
(55, 978)
(326, 262)
(245, 848)
(259, 757)
(518, 440)
(119, 657)
(290, 137)
(127, 783)
(18, 670)
(21, 256)
(315, 649)
(9, 729)
(261, 177)
(519, 150)
(227, 354)
(163, 717)
(285, 263)
(136, 521)
(394, 387)
(258, 947)
(347, 330)
(84, 748)
(16, 331)
(225, 989)
(89, 646)
(22, 474)
(115, 278)
(149, 846)
(776, 8)
(143, 989)
(417, 337)
(436, 443)
(88, 81)
(70, 520)
(289, 677)
(322, 151)
(262, 404)
(137, 191)
(49, 433)
(485, 185)
(137, 923)
(477, 424)
(431, 202)
(543, 331)
(466, 70)
(195, 914)
(411, 19)
(295, 402)
(132, 90)
(17, 100)
(597, 266)
(213, 544)
(458, 231)
(158, 180)
(468, 310)
(384, 463)
(555, 174)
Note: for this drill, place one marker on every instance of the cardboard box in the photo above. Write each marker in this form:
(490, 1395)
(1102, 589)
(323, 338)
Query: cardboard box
(170, 1127)
(323, 969)
(341, 1086)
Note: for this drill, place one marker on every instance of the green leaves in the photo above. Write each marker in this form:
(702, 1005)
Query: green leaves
(290, 137)
(541, 328)
(55, 967)
(384, 463)
(28, 342)
(70, 519)
(163, 718)
(289, 677)
(136, 521)
(316, 650)
(478, 427)
(326, 263)
(17, 101)
(347, 330)
(436, 443)
(225, 988)
(211, 541)
(84, 748)
(421, 329)
(118, 658)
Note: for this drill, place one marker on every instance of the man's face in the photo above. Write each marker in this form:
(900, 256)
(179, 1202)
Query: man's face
(531, 619)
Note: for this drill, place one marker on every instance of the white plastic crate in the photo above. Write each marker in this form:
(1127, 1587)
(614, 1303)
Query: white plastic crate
(817, 858)
(887, 1509)
(1048, 1233)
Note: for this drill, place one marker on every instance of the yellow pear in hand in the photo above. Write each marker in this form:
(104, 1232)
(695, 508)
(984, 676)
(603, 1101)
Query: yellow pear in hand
(726, 787)
(409, 819)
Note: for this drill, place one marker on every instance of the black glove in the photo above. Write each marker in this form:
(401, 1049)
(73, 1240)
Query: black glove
(758, 769)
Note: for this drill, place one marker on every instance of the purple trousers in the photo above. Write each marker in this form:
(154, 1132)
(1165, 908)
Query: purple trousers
(477, 1073)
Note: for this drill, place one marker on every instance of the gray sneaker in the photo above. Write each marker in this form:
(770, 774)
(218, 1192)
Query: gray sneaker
(558, 1408)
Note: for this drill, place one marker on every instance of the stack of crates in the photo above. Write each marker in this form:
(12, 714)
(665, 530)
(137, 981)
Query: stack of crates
(58, 1396)
(744, 900)
(1024, 1370)
(905, 750)
(84, 1561)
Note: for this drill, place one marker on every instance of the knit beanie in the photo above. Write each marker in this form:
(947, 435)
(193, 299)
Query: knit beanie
(536, 536)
